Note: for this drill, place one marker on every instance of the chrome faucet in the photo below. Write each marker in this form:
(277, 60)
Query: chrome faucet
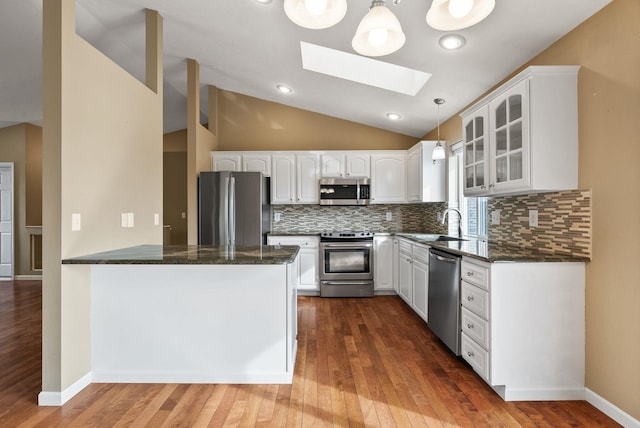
(444, 217)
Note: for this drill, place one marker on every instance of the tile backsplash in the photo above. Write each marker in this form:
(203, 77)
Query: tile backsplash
(564, 222)
(319, 218)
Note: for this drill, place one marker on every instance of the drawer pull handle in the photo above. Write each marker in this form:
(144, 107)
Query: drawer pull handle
(470, 298)
(469, 354)
(469, 273)
(469, 326)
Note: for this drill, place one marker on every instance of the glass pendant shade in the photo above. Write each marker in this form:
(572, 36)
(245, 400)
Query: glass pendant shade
(379, 32)
(438, 152)
(441, 14)
(315, 14)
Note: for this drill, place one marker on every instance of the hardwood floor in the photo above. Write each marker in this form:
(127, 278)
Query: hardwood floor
(361, 362)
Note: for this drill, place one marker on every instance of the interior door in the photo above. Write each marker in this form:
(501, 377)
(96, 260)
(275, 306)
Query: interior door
(6, 220)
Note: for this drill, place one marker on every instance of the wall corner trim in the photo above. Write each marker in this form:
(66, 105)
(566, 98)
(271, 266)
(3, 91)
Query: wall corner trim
(54, 398)
(609, 409)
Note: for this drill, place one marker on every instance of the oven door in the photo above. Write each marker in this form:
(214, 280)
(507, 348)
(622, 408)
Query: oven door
(342, 261)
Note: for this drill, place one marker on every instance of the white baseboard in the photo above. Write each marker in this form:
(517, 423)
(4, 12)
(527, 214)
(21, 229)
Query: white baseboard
(615, 413)
(28, 277)
(54, 398)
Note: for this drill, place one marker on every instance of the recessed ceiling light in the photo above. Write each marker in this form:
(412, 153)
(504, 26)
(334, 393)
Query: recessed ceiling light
(264, 1)
(284, 89)
(393, 116)
(452, 41)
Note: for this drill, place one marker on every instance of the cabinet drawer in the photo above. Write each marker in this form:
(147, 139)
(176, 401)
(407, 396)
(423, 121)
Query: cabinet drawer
(475, 274)
(302, 242)
(421, 253)
(475, 327)
(476, 356)
(475, 299)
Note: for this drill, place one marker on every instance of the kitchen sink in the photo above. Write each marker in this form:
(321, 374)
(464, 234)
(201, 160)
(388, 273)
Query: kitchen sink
(429, 237)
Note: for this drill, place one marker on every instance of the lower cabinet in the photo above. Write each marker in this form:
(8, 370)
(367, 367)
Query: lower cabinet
(420, 270)
(405, 271)
(307, 262)
(383, 263)
(523, 327)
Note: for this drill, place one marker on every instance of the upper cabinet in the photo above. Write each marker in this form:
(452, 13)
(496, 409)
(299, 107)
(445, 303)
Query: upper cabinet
(241, 161)
(346, 164)
(295, 179)
(388, 178)
(425, 177)
(226, 161)
(523, 137)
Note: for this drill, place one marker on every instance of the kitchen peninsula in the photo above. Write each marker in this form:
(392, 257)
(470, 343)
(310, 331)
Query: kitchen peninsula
(193, 314)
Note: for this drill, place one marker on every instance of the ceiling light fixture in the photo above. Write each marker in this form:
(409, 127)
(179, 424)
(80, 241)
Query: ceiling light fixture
(438, 150)
(284, 89)
(452, 41)
(379, 32)
(264, 1)
(393, 116)
(315, 14)
(451, 15)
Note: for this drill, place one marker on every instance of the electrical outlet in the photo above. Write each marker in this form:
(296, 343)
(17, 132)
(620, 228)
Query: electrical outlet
(184, 215)
(533, 218)
(389, 216)
(495, 217)
(276, 217)
(75, 222)
(438, 217)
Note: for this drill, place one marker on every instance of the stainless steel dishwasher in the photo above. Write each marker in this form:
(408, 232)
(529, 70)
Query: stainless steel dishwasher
(443, 310)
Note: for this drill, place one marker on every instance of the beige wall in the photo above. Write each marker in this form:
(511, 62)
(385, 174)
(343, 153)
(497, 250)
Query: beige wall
(103, 149)
(22, 145)
(607, 46)
(247, 123)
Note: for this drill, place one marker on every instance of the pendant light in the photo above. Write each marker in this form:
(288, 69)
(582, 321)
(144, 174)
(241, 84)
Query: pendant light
(379, 32)
(450, 15)
(438, 150)
(315, 14)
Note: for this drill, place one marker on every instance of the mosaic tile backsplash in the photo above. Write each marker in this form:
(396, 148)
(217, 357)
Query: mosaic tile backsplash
(317, 218)
(564, 222)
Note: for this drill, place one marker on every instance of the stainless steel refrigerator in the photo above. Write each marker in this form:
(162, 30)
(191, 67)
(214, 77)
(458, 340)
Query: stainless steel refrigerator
(233, 208)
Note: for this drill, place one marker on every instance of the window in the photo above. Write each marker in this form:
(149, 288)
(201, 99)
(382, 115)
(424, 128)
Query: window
(474, 210)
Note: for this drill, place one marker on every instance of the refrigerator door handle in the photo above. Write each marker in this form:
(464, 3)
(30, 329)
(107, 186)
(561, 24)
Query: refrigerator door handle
(232, 211)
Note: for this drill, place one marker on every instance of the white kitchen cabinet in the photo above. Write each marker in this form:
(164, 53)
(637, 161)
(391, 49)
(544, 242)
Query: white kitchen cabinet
(383, 263)
(345, 164)
(523, 327)
(226, 161)
(307, 263)
(257, 163)
(425, 177)
(388, 179)
(396, 267)
(420, 280)
(283, 179)
(405, 271)
(307, 172)
(523, 137)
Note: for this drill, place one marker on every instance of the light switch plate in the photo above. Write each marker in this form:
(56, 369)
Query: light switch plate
(156, 219)
(533, 218)
(76, 220)
(124, 220)
(129, 219)
(495, 217)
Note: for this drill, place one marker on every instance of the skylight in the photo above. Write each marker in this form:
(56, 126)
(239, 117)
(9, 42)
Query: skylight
(362, 70)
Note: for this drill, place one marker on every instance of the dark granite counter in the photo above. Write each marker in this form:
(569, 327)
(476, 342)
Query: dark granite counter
(493, 252)
(191, 255)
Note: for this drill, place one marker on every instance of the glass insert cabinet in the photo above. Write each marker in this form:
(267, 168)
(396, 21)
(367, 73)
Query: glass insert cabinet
(500, 153)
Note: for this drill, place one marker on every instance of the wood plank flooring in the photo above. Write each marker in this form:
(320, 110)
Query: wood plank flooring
(361, 362)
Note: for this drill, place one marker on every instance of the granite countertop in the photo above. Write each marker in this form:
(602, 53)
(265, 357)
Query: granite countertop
(294, 233)
(495, 253)
(191, 255)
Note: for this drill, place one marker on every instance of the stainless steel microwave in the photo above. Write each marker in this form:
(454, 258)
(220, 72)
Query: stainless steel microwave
(345, 191)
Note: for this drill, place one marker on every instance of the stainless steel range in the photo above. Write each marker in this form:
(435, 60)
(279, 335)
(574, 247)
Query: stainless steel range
(346, 264)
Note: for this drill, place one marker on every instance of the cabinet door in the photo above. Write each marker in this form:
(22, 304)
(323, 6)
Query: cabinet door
(475, 154)
(405, 277)
(396, 267)
(509, 155)
(307, 171)
(383, 262)
(308, 270)
(388, 178)
(283, 179)
(226, 161)
(420, 288)
(333, 165)
(358, 165)
(414, 179)
(257, 163)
